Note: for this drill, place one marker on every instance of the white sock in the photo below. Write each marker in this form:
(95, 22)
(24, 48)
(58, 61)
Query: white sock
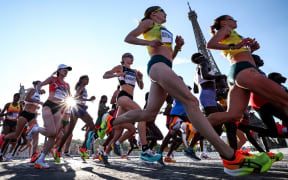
(36, 128)
(105, 154)
(117, 142)
(42, 156)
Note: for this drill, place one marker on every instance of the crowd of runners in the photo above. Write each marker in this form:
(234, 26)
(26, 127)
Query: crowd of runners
(224, 101)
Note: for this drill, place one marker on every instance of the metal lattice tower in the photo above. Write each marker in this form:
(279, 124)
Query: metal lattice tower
(200, 40)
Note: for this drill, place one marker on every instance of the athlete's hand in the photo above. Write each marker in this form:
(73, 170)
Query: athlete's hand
(155, 43)
(92, 98)
(41, 91)
(254, 46)
(123, 74)
(179, 42)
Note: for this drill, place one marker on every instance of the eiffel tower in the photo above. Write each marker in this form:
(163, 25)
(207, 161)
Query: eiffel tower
(201, 42)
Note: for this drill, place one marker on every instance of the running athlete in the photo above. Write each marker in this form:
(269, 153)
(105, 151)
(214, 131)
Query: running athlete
(80, 111)
(32, 102)
(206, 79)
(12, 110)
(64, 126)
(159, 42)
(59, 90)
(244, 76)
(127, 78)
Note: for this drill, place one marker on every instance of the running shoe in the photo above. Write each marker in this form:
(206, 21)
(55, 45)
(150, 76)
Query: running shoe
(2, 140)
(191, 154)
(90, 139)
(67, 155)
(8, 157)
(104, 159)
(83, 153)
(244, 164)
(160, 161)
(150, 156)
(34, 157)
(57, 156)
(169, 160)
(96, 156)
(275, 157)
(31, 132)
(40, 164)
(116, 149)
(203, 155)
(124, 157)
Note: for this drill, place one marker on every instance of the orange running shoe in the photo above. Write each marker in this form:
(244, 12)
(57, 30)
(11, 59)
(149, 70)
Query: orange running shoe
(169, 160)
(125, 157)
(34, 157)
(275, 157)
(83, 153)
(40, 164)
(245, 163)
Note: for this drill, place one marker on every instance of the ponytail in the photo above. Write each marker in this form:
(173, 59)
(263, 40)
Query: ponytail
(217, 24)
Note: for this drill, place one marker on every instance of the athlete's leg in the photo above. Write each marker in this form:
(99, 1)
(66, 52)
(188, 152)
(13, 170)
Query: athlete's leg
(19, 128)
(51, 123)
(238, 99)
(264, 87)
(71, 126)
(167, 79)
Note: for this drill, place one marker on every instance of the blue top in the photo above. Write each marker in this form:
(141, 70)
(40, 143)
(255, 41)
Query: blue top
(178, 109)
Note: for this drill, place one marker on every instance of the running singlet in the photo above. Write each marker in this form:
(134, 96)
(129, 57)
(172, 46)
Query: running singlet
(234, 38)
(13, 112)
(199, 80)
(161, 33)
(82, 95)
(178, 109)
(129, 78)
(36, 97)
(60, 89)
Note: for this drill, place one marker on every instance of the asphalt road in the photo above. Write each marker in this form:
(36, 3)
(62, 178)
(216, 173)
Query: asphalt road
(184, 168)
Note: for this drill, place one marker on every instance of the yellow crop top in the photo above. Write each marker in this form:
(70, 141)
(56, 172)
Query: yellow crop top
(13, 112)
(234, 38)
(159, 32)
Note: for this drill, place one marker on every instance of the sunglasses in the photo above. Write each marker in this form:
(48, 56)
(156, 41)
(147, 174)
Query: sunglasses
(128, 56)
(231, 19)
(160, 9)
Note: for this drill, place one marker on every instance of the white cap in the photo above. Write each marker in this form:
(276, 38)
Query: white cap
(63, 66)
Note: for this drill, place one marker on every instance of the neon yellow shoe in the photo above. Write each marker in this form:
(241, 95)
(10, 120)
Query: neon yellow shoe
(275, 157)
(245, 163)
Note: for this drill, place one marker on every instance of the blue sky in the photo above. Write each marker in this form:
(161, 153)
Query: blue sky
(37, 36)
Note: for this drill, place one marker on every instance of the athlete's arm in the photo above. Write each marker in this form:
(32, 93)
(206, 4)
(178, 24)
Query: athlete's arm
(29, 95)
(144, 26)
(115, 72)
(204, 72)
(195, 88)
(49, 80)
(179, 43)
(4, 109)
(139, 79)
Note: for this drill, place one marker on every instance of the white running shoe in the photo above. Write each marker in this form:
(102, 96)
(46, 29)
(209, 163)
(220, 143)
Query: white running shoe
(204, 156)
(8, 157)
(41, 164)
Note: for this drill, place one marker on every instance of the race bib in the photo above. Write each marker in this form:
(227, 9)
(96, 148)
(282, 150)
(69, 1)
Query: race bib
(166, 36)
